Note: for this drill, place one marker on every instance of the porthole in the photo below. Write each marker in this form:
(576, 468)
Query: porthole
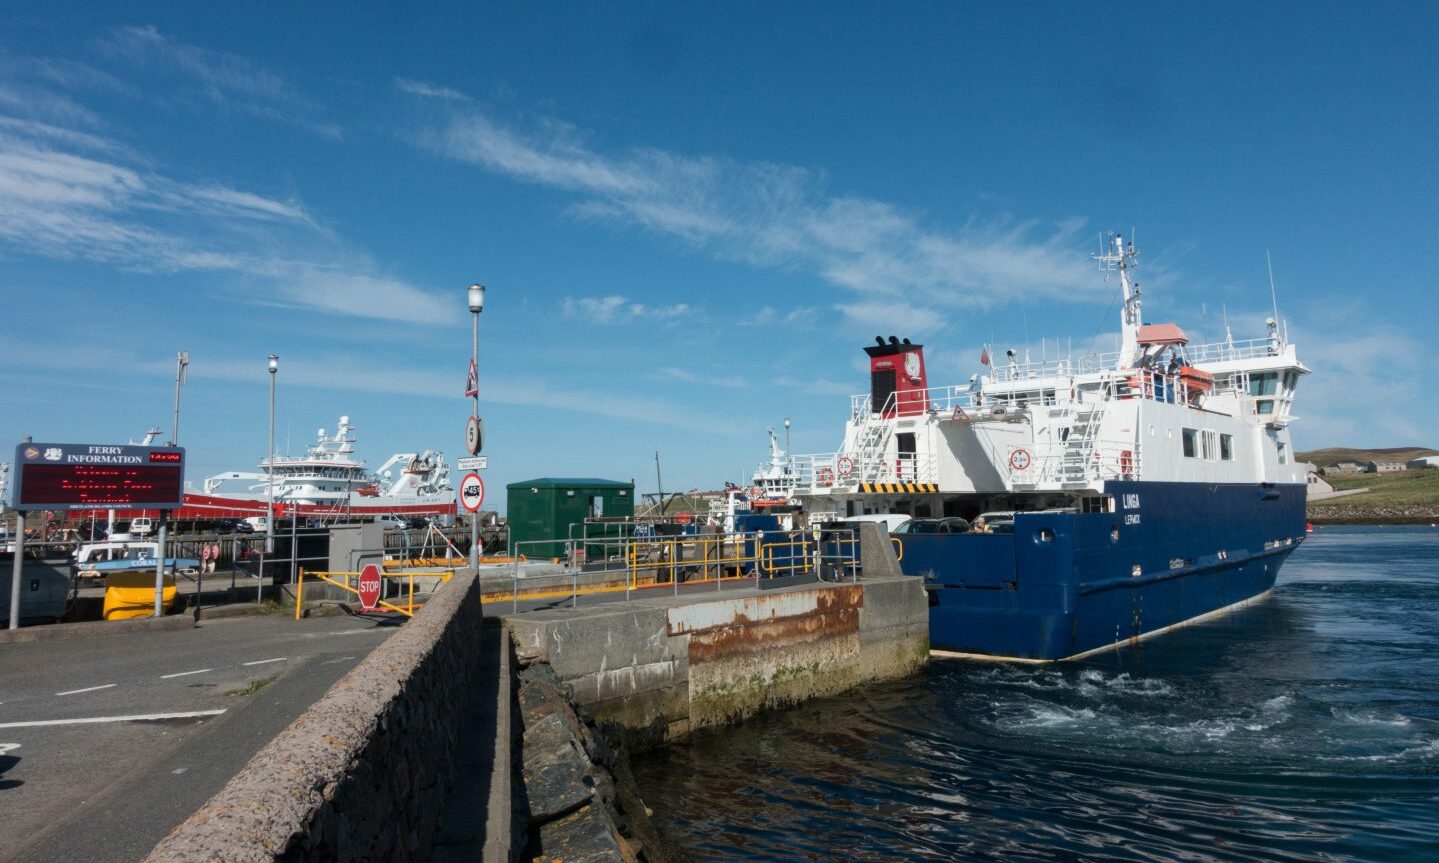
(1045, 535)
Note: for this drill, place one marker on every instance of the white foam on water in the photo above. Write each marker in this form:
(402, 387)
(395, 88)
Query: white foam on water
(1369, 717)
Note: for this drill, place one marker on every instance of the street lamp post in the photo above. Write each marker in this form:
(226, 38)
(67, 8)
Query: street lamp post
(788, 456)
(270, 481)
(476, 296)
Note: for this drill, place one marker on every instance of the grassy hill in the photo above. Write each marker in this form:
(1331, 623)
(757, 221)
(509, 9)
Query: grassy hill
(1406, 496)
(1335, 454)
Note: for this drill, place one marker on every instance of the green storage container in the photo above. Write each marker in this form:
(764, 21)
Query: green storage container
(546, 508)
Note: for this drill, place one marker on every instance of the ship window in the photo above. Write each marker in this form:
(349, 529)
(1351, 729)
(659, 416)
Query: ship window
(1226, 447)
(1048, 397)
(1264, 406)
(1209, 444)
(1189, 442)
(1263, 384)
(1290, 380)
(1283, 454)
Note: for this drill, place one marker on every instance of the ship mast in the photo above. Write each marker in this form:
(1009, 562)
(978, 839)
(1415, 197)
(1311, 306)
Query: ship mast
(1125, 258)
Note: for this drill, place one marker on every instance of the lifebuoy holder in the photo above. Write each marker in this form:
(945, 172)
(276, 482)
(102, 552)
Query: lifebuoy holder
(826, 476)
(1019, 459)
(1126, 463)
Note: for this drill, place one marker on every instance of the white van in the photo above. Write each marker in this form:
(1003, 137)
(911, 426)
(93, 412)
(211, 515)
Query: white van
(141, 526)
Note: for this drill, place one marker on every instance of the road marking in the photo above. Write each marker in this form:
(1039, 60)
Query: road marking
(333, 661)
(86, 689)
(6, 747)
(184, 673)
(263, 661)
(140, 717)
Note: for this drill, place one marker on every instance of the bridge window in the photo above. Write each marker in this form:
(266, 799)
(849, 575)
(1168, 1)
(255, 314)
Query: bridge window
(1263, 384)
(1264, 406)
(1190, 444)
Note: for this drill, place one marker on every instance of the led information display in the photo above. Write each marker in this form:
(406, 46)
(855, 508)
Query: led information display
(97, 476)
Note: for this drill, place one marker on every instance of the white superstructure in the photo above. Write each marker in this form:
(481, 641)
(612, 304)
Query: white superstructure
(330, 475)
(1051, 433)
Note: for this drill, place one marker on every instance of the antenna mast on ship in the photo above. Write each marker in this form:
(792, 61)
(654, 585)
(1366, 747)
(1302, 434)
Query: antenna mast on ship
(1125, 258)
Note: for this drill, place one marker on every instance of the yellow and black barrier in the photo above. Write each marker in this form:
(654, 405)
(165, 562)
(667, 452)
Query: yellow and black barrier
(899, 488)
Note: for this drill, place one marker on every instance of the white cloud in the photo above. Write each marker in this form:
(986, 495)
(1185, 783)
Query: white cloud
(619, 310)
(775, 215)
(432, 91)
(226, 80)
(69, 195)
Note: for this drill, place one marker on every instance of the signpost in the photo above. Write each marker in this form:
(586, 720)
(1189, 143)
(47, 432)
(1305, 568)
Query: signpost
(472, 492)
(474, 462)
(369, 587)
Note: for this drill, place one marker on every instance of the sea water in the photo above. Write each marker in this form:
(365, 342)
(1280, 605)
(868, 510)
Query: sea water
(1302, 727)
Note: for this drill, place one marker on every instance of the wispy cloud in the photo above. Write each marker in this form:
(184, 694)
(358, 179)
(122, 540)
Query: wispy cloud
(785, 216)
(620, 310)
(69, 194)
(221, 79)
(430, 91)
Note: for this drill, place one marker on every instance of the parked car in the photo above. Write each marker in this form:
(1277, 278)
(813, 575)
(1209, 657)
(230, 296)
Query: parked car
(141, 526)
(933, 525)
(890, 520)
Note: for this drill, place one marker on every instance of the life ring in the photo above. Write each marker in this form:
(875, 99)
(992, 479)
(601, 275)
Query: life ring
(826, 476)
(845, 466)
(1126, 463)
(756, 492)
(1019, 459)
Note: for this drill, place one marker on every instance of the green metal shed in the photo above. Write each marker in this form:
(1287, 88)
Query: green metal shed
(545, 508)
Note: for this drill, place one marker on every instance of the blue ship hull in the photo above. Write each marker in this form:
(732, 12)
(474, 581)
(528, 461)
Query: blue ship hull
(1066, 584)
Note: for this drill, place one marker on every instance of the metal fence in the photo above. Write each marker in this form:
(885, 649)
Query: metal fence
(639, 565)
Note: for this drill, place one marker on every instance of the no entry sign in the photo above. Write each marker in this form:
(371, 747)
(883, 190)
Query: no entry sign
(369, 587)
(472, 492)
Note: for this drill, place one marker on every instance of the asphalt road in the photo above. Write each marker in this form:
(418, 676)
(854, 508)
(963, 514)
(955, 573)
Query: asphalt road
(176, 714)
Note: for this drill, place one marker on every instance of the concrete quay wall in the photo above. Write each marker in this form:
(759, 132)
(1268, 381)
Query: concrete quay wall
(657, 668)
(362, 774)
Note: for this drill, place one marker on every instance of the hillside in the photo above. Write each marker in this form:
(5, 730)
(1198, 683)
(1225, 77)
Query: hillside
(1335, 454)
(1410, 496)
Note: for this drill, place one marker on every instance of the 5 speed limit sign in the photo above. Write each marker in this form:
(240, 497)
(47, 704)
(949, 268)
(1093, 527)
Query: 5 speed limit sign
(472, 492)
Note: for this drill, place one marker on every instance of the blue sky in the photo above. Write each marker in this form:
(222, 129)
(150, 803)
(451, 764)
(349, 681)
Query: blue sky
(690, 217)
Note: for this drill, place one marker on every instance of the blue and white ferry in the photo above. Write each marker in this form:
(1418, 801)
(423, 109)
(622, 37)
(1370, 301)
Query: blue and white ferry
(1127, 493)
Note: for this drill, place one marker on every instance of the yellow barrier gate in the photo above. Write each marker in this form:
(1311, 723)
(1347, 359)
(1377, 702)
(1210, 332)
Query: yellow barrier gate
(342, 580)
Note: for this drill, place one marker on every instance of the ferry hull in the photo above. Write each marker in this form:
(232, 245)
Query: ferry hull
(1065, 584)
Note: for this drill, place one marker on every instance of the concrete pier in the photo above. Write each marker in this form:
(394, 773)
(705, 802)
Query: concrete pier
(662, 666)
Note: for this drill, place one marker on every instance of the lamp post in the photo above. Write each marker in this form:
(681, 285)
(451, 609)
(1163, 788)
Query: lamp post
(270, 480)
(182, 361)
(476, 296)
(788, 457)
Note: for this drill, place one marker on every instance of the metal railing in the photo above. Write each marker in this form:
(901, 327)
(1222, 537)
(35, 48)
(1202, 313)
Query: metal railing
(1057, 464)
(633, 565)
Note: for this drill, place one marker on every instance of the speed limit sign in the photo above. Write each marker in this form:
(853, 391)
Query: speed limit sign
(474, 435)
(472, 492)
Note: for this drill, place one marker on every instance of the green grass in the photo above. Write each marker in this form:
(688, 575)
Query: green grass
(255, 686)
(1410, 488)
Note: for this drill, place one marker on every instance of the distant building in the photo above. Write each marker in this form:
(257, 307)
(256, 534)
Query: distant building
(1383, 466)
(1317, 485)
(1424, 461)
(1342, 468)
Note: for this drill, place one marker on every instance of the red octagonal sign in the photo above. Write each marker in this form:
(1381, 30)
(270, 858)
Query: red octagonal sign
(369, 587)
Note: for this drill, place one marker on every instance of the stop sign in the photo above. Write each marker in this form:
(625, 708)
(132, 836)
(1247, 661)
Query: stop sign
(369, 587)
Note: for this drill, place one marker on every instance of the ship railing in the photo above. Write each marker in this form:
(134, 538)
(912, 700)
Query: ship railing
(1061, 464)
(940, 400)
(820, 472)
(1211, 352)
(640, 561)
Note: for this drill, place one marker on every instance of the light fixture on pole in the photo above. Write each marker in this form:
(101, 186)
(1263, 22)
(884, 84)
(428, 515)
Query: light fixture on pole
(270, 466)
(182, 362)
(788, 458)
(476, 298)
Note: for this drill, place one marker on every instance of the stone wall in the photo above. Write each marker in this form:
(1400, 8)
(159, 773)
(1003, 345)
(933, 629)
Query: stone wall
(362, 774)
(580, 801)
